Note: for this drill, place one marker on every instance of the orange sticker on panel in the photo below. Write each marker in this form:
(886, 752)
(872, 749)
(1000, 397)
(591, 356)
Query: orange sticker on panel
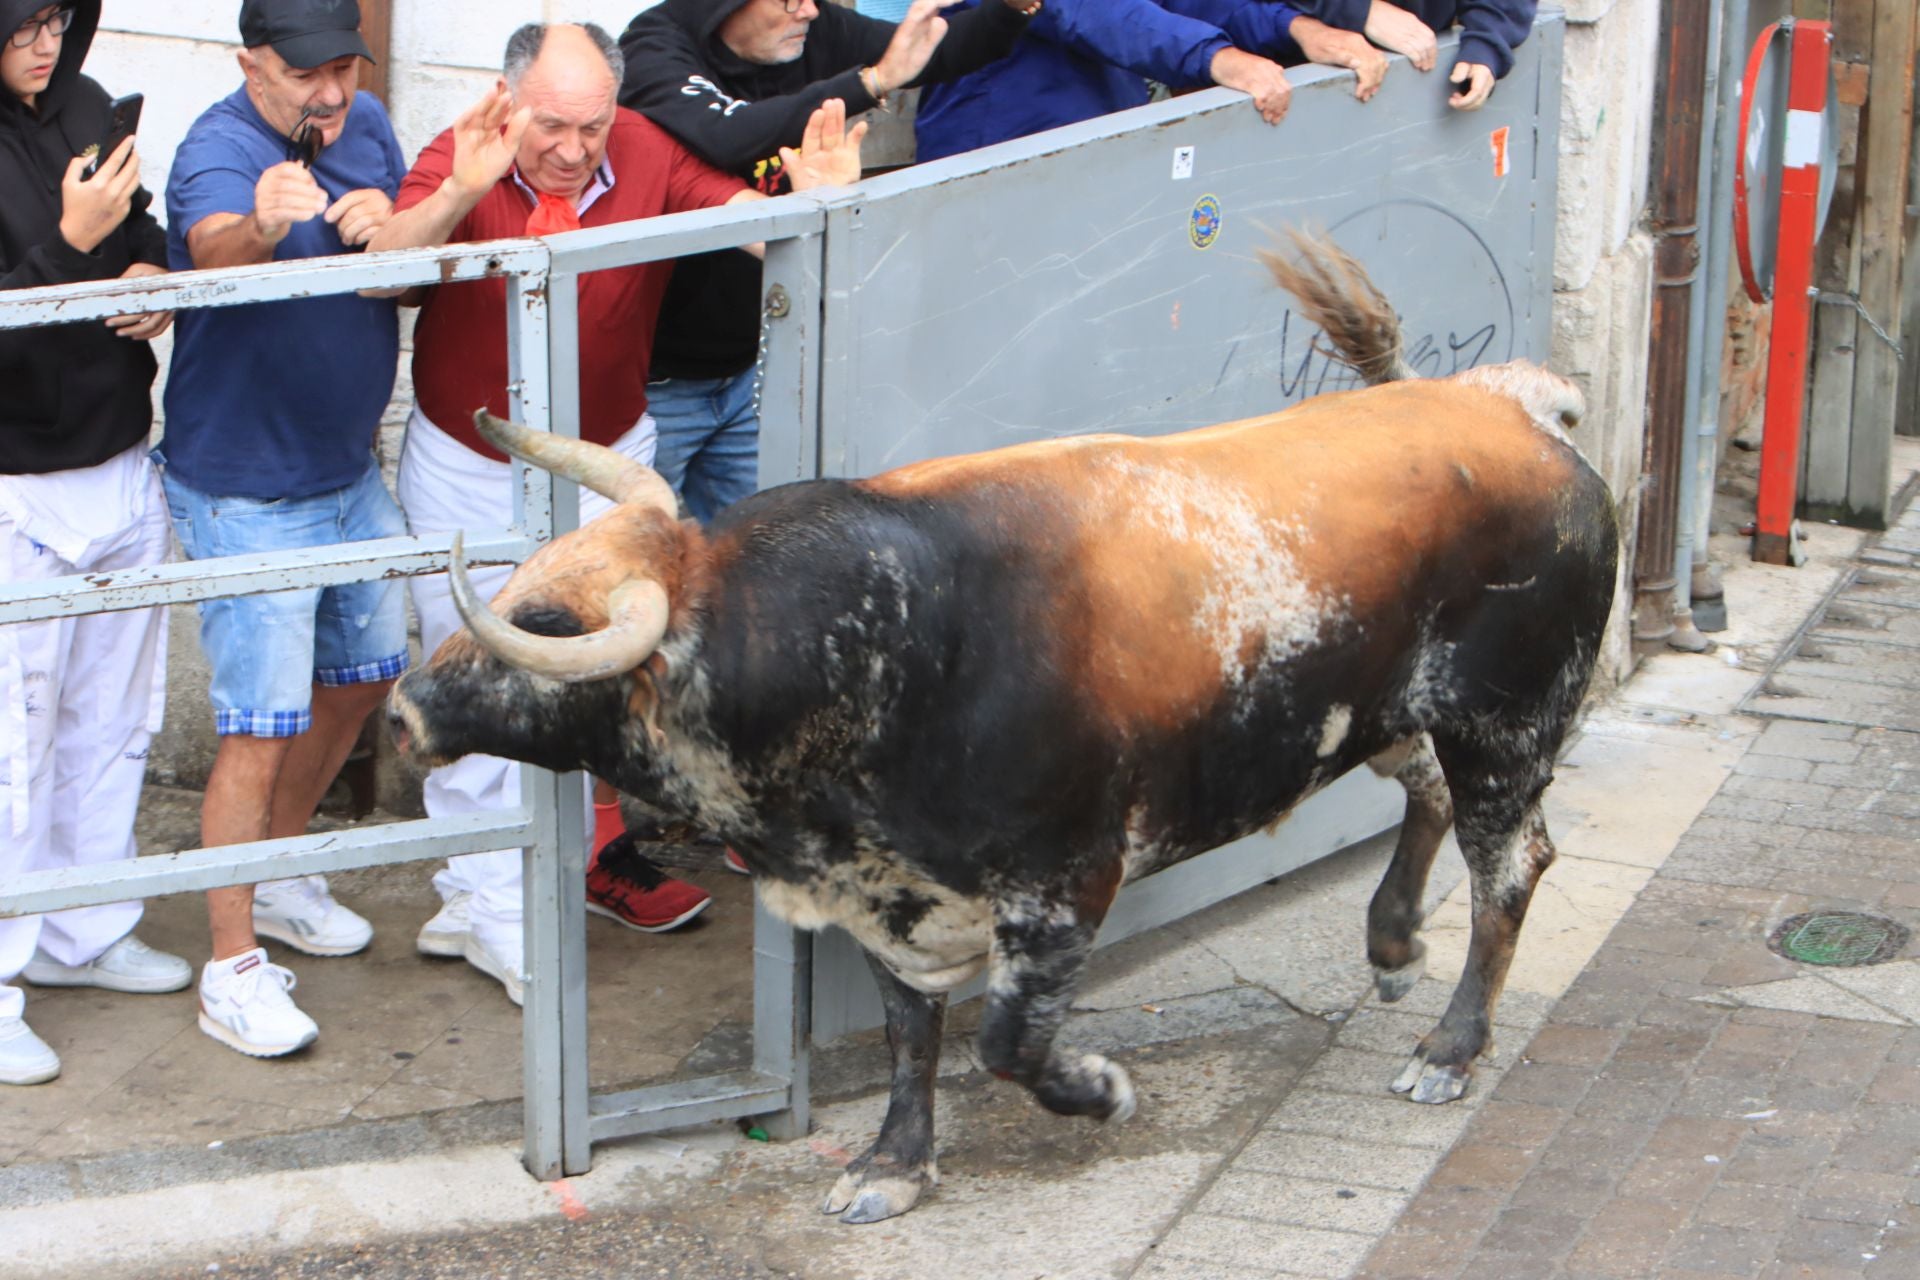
(1499, 144)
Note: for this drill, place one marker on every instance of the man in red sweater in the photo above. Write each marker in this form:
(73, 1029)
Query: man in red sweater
(548, 149)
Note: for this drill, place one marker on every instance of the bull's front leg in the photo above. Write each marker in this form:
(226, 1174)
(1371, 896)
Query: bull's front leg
(1039, 949)
(890, 1176)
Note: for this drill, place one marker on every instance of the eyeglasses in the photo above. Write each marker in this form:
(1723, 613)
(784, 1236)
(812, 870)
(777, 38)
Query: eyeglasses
(28, 32)
(793, 6)
(304, 144)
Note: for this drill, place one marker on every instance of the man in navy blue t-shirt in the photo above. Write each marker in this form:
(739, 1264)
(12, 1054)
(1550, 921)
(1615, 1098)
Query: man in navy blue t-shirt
(270, 414)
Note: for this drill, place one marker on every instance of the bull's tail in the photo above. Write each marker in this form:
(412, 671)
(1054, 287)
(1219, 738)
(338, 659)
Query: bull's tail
(1336, 295)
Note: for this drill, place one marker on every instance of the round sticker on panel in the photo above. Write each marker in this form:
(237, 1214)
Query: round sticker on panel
(1203, 224)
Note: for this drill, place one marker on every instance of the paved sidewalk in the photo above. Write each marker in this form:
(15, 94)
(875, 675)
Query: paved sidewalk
(1697, 1106)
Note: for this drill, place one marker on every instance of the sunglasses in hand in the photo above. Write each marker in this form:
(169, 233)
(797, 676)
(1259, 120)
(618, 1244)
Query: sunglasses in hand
(306, 141)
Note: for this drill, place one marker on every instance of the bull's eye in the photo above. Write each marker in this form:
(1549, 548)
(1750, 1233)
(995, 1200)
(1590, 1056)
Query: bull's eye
(547, 620)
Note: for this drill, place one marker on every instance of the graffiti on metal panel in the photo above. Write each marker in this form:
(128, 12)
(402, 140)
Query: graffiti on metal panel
(1469, 322)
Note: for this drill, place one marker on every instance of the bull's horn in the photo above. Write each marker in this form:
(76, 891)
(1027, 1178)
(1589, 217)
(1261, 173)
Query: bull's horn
(637, 612)
(609, 474)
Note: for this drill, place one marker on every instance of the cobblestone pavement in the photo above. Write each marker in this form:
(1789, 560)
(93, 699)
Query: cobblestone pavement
(1696, 1106)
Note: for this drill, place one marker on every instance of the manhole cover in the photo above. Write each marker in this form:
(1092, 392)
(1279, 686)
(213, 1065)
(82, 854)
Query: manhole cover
(1838, 938)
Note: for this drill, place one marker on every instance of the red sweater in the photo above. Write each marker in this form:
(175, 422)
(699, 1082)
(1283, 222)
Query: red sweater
(460, 344)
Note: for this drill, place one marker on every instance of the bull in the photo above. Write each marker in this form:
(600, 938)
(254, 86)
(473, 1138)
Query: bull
(953, 708)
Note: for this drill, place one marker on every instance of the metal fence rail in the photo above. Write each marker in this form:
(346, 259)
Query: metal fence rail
(562, 1120)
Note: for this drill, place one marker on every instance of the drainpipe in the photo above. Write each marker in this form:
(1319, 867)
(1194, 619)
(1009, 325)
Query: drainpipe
(1686, 633)
(1679, 96)
(1709, 605)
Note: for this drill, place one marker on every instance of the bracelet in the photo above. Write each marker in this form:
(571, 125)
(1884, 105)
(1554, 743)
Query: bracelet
(870, 81)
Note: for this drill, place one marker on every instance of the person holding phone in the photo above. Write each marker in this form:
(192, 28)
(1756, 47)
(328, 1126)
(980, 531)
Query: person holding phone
(79, 697)
(271, 414)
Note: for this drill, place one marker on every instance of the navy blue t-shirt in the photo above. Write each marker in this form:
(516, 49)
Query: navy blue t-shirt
(277, 399)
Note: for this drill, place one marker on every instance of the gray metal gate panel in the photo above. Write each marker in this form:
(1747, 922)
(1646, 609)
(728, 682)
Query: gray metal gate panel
(1065, 284)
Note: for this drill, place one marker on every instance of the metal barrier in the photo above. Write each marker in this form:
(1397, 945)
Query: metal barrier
(562, 1121)
(874, 357)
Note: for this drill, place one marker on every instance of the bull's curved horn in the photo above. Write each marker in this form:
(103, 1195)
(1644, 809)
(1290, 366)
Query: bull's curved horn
(637, 611)
(609, 474)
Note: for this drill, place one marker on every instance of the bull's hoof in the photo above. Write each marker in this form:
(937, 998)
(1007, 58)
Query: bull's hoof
(871, 1191)
(1430, 1082)
(1119, 1089)
(1393, 984)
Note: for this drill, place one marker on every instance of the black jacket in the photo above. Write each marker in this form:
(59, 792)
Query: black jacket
(74, 394)
(736, 115)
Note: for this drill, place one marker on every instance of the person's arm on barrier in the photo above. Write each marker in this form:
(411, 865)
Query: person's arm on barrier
(1490, 30)
(1151, 41)
(147, 242)
(454, 172)
(1277, 30)
(829, 156)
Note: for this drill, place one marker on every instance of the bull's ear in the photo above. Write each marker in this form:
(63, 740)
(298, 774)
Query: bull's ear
(643, 704)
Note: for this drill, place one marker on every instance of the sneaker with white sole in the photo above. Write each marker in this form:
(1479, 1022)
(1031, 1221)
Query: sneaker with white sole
(302, 914)
(244, 1005)
(446, 933)
(128, 965)
(502, 962)
(24, 1057)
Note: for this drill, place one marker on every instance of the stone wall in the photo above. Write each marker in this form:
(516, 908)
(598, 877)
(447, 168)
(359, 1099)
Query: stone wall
(1603, 261)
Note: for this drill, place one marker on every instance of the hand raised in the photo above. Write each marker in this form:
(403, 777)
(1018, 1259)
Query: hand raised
(914, 40)
(90, 208)
(1391, 27)
(829, 154)
(286, 194)
(486, 138)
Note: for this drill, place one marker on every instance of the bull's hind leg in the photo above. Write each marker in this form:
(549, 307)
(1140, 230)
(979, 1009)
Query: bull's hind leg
(1398, 956)
(1496, 796)
(1039, 949)
(890, 1176)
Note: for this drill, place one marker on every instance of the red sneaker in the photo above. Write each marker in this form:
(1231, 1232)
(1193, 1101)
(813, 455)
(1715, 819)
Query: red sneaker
(624, 886)
(737, 864)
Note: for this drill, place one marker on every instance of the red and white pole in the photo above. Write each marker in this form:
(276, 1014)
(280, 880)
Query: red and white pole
(1790, 346)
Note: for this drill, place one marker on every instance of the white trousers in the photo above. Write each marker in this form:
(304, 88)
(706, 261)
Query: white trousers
(445, 486)
(80, 699)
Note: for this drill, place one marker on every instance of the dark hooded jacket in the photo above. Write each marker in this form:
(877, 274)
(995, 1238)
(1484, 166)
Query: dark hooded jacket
(71, 395)
(736, 115)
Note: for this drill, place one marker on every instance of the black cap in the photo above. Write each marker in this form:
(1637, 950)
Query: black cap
(306, 33)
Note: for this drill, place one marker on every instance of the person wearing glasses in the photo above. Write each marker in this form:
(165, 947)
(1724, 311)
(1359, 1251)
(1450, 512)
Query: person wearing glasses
(79, 697)
(734, 81)
(271, 410)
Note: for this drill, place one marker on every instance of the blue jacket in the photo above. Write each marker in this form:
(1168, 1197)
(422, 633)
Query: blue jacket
(1081, 59)
(1490, 30)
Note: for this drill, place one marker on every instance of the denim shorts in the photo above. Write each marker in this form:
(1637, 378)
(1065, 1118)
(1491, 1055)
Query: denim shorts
(267, 651)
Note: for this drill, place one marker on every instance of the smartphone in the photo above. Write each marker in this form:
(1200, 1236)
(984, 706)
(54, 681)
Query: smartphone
(122, 123)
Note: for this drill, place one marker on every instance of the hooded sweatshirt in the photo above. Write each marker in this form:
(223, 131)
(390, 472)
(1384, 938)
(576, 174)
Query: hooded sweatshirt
(74, 394)
(736, 115)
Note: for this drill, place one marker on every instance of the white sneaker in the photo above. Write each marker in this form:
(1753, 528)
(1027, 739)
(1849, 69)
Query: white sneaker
(128, 965)
(24, 1057)
(502, 962)
(446, 933)
(302, 914)
(244, 1005)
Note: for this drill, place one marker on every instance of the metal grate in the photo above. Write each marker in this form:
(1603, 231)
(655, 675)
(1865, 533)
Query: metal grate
(1838, 939)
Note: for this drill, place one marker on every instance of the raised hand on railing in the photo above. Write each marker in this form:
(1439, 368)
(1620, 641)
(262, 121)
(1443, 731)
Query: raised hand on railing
(1260, 77)
(1332, 47)
(1473, 85)
(829, 154)
(1391, 27)
(146, 325)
